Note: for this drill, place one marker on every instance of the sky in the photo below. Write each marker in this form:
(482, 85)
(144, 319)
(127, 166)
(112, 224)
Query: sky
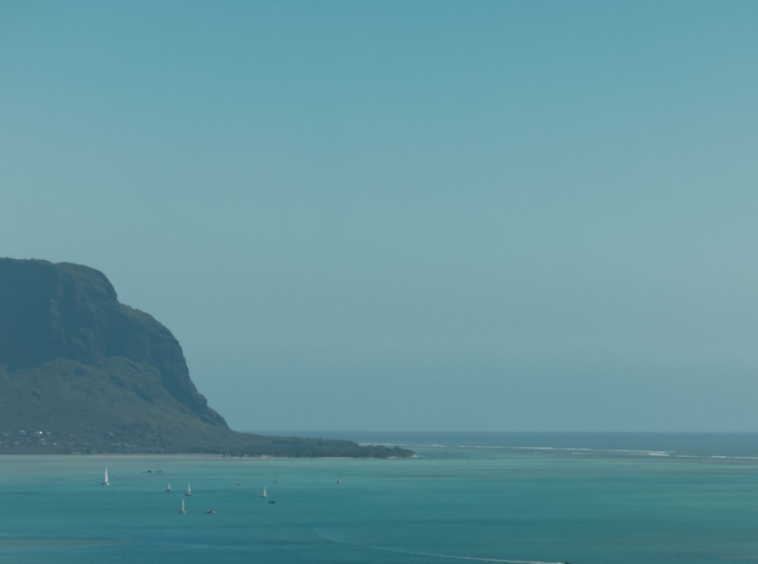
(407, 215)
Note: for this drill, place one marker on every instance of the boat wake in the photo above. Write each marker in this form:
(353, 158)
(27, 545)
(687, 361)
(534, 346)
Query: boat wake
(430, 554)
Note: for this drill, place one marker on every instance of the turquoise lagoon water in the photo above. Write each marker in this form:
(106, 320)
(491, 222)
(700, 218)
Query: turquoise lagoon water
(592, 499)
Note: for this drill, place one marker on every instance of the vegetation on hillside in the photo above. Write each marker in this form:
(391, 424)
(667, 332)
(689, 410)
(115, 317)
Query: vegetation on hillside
(82, 373)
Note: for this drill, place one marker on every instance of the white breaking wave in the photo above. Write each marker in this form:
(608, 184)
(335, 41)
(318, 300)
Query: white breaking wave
(716, 456)
(533, 448)
(406, 445)
(577, 450)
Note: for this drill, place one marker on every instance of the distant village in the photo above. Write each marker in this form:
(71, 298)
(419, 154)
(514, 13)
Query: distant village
(24, 441)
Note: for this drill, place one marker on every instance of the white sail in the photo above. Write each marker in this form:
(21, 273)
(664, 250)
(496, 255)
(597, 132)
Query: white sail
(189, 490)
(264, 492)
(182, 511)
(168, 489)
(106, 482)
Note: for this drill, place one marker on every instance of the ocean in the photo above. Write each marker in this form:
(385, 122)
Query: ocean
(585, 498)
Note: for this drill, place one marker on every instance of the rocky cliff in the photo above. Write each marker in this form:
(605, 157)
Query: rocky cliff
(82, 372)
(66, 311)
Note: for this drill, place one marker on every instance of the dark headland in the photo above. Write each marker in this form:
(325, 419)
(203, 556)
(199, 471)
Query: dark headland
(81, 372)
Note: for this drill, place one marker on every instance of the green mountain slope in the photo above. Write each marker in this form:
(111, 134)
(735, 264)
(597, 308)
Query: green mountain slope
(81, 372)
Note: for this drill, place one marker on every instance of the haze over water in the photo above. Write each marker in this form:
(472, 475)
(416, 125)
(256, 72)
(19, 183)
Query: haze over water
(405, 216)
(540, 213)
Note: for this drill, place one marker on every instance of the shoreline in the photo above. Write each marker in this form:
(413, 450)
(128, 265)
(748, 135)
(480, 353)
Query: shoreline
(200, 456)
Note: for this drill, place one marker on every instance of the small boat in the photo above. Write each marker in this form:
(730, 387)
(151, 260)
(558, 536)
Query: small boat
(211, 512)
(182, 509)
(106, 482)
(168, 488)
(189, 491)
(272, 501)
(239, 484)
(264, 493)
(339, 481)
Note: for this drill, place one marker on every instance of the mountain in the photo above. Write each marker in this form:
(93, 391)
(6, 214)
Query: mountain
(82, 372)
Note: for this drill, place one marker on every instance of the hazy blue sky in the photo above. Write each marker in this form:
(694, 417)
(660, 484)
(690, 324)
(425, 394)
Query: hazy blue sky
(407, 215)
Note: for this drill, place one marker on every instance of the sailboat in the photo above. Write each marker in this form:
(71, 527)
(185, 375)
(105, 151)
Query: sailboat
(189, 491)
(264, 492)
(339, 481)
(168, 489)
(106, 482)
(182, 509)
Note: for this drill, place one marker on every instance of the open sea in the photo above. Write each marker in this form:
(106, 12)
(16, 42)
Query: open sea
(466, 497)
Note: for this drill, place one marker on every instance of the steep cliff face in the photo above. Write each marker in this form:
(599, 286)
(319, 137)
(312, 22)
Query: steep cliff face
(66, 311)
(81, 372)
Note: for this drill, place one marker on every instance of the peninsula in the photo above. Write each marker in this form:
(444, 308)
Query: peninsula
(81, 372)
